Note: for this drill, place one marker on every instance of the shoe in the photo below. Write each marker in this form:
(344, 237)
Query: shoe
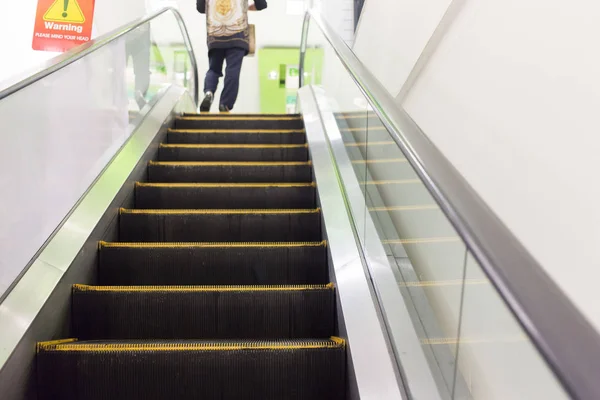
(224, 109)
(207, 102)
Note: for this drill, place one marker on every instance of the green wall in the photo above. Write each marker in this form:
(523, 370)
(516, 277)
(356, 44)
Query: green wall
(272, 67)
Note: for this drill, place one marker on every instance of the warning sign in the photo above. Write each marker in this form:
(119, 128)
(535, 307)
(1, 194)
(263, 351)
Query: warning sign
(61, 25)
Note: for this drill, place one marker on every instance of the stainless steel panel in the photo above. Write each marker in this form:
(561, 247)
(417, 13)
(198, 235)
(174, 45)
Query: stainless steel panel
(374, 365)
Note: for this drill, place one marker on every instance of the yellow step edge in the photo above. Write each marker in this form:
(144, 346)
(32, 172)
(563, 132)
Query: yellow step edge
(240, 118)
(233, 146)
(225, 211)
(225, 185)
(332, 343)
(51, 343)
(199, 289)
(231, 163)
(184, 245)
(233, 131)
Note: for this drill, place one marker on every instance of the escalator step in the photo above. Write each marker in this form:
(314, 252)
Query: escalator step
(236, 136)
(233, 152)
(124, 264)
(202, 312)
(250, 172)
(239, 122)
(234, 116)
(220, 225)
(190, 370)
(223, 195)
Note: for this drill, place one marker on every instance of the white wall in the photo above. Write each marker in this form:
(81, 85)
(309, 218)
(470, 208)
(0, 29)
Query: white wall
(511, 98)
(392, 35)
(509, 91)
(15, 41)
(339, 14)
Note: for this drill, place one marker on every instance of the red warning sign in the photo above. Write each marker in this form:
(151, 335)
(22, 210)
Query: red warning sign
(61, 25)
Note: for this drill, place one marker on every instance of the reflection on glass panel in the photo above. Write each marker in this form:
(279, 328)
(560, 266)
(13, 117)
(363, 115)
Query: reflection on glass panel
(156, 57)
(424, 250)
(495, 356)
(345, 102)
(65, 128)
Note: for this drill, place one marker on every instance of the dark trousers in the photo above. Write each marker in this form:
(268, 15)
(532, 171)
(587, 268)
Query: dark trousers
(234, 57)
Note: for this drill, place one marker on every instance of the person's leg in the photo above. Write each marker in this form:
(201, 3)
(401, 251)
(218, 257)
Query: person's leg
(215, 72)
(234, 56)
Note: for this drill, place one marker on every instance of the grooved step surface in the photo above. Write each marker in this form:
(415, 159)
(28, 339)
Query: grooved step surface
(239, 122)
(226, 196)
(219, 285)
(220, 226)
(232, 172)
(297, 136)
(240, 152)
(203, 312)
(222, 264)
(186, 370)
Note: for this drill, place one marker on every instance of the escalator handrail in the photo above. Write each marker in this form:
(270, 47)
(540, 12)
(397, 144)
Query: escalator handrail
(63, 60)
(563, 336)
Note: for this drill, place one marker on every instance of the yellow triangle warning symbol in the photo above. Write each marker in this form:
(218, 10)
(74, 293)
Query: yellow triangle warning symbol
(65, 11)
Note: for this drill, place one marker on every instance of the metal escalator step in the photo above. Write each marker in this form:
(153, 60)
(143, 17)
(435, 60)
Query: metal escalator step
(236, 136)
(233, 152)
(239, 122)
(203, 312)
(248, 172)
(223, 195)
(189, 370)
(220, 225)
(212, 263)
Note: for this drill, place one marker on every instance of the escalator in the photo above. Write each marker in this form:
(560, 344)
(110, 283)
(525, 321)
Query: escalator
(219, 284)
(335, 253)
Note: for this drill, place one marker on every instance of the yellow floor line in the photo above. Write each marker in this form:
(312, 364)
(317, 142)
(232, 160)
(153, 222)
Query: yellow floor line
(199, 289)
(224, 211)
(207, 245)
(225, 185)
(332, 343)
